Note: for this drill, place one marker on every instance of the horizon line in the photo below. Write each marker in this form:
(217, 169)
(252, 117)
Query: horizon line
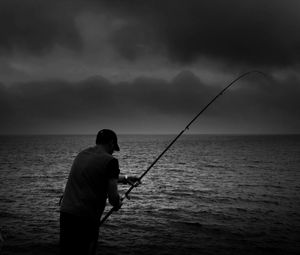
(146, 133)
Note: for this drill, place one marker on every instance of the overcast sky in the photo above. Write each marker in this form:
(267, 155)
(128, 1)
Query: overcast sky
(76, 66)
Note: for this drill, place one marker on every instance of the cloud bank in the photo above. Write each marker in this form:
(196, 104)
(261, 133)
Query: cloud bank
(83, 107)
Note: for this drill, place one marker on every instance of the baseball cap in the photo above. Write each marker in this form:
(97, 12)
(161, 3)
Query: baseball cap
(105, 136)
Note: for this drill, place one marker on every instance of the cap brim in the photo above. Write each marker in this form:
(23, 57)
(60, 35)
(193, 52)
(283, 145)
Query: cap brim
(117, 148)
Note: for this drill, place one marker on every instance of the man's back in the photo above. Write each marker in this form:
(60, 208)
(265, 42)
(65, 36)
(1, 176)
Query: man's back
(86, 190)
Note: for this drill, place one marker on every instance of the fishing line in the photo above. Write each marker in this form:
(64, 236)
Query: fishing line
(134, 185)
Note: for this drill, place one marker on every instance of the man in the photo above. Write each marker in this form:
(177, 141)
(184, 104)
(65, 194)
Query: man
(94, 176)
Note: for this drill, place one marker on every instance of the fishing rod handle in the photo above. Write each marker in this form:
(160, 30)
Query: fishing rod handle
(122, 199)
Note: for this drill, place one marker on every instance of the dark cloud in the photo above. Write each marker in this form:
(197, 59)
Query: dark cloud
(54, 106)
(251, 33)
(257, 33)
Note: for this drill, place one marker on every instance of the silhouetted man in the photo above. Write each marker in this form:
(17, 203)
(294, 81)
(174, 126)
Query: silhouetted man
(94, 176)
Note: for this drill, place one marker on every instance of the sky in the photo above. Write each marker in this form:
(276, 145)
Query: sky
(77, 66)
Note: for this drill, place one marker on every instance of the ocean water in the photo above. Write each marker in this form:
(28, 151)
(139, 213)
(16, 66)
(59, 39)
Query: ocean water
(207, 195)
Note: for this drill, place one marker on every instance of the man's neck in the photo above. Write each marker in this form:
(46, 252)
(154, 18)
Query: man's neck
(104, 148)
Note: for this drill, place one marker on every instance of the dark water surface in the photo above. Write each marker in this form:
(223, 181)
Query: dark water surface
(207, 195)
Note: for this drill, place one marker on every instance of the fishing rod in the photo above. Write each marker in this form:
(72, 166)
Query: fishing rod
(134, 185)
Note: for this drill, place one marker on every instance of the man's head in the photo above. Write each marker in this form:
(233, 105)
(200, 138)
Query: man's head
(108, 139)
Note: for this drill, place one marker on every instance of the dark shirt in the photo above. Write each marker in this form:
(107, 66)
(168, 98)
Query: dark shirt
(86, 190)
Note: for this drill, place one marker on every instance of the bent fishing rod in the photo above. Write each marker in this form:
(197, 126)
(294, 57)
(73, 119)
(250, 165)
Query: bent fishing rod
(134, 185)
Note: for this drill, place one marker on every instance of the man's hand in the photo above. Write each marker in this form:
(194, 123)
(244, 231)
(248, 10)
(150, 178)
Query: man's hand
(133, 180)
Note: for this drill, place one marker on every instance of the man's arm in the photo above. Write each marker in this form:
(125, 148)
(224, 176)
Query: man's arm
(113, 193)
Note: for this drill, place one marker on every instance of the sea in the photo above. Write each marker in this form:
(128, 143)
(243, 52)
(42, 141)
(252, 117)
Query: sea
(209, 194)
